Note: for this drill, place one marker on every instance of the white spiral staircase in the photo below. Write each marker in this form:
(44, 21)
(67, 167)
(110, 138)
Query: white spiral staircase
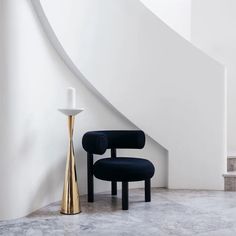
(132, 61)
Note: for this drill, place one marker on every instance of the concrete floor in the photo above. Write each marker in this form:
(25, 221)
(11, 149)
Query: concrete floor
(171, 212)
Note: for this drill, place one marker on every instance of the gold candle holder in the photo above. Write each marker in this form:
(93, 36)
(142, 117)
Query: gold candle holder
(70, 203)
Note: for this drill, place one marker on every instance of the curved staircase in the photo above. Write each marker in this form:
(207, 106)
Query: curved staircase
(151, 75)
(134, 63)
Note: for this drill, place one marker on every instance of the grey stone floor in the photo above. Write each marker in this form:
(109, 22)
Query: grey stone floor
(171, 212)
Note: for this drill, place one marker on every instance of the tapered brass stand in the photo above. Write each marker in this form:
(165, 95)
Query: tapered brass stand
(70, 203)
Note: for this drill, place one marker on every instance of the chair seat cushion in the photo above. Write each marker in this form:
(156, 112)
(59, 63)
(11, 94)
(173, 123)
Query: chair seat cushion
(123, 169)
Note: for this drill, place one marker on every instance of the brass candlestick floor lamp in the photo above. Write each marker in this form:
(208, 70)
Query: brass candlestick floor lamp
(70, 203)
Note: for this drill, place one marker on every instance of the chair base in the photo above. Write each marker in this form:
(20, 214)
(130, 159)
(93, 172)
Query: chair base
(125, 192)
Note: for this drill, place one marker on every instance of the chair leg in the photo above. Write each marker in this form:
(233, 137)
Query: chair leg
(125, 195)
(113, 183)
(148, 190)
(113, 188)
(90, 177)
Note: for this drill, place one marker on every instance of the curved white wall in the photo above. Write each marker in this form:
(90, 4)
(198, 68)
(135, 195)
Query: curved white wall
(33, 137)
(154, 77)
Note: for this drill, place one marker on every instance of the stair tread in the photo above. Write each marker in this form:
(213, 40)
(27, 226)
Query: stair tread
(230, 174)
(231, 157)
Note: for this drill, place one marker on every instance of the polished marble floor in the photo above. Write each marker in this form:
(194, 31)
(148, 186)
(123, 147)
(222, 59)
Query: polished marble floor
(171, 212)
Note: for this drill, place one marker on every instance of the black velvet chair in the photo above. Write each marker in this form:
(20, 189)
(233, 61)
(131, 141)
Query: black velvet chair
(117, 169)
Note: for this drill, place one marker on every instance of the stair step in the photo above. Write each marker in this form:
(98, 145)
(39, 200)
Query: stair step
(230, 174)
(231, 163)
(230, 181)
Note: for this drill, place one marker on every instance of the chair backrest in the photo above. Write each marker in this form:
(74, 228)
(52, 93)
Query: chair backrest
(97, 142)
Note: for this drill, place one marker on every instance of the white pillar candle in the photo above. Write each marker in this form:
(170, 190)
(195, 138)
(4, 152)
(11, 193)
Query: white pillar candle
(70, 98)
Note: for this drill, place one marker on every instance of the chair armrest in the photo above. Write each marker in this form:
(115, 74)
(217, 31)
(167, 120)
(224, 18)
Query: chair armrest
(95, 142)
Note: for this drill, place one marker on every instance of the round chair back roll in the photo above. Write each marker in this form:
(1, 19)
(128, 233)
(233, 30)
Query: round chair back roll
(97, 142)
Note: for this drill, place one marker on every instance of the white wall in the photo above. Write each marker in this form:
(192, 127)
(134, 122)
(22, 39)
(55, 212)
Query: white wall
(213, 30)
(157, 79)
(175, 13)
(33, 133)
